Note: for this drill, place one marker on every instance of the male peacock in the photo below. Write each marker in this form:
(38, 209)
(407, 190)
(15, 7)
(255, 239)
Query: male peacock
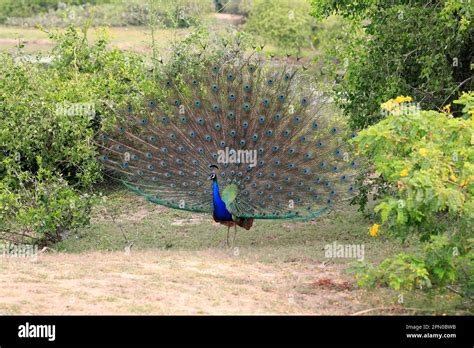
(247, 139)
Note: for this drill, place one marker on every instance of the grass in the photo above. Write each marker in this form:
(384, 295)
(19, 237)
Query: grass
(126, 38)
(276, 267)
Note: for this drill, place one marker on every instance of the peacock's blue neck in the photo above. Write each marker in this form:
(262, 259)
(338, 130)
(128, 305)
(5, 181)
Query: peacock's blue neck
(220, 210)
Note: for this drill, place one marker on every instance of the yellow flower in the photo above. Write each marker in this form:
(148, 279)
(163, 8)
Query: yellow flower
(408, 99)
(400, 99)
(423, 152)
(464, 183)
(404, 172)
(447, 109)
(453, 177)
(374, 230)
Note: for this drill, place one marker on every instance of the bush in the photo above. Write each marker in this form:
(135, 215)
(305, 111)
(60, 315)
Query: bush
(384, 58)
(42, 210)
(166, 13)
(28, 8)
(50, 115)
(426, 158)
(288, 25)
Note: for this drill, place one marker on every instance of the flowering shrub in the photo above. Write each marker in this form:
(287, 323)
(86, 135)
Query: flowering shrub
(427, 160)
(427, 156)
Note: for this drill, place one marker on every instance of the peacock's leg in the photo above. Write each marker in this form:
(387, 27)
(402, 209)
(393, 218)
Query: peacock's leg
(227, 239)
(235, 233)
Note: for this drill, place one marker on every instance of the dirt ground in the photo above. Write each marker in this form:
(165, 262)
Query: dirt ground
(172, 282)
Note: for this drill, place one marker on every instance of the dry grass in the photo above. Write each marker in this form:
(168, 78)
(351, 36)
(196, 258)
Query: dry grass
(213, 281)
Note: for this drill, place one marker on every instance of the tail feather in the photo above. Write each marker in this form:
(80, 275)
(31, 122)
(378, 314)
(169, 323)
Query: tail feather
(302, 167)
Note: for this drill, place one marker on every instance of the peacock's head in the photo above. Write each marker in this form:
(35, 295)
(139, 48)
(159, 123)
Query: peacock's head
(212, 175)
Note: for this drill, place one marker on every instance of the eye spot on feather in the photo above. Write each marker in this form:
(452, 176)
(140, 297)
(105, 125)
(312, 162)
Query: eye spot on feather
(119, 147)
(296, 119)
(286, 133)
(215, 69)
(269, 132)
(207, 137)
(275, 148)
(245, 124)
(172, 136)
(315, 125)
(197, 103)
(130, 108)
(242, 142)
(255, 137)
(277, 117)
(121, 130)
(252, 68)
(200, 121)
(246, 107)
(215, 108)
(222, 143)
(232, 97)
(230, 115)
(164, 120)
(304, 101)
(319, 144)
(261, 119)
(217, 126)
(266, 102)
(148, 155)
(177, 102)
(200, 150)
(230, 77)
(270, 82)
(334, 130)
(215, 88)
(192, 134)
(281, 98)
(286, 77)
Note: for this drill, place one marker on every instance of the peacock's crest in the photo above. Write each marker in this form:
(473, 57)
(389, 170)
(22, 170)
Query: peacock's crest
(262, 129)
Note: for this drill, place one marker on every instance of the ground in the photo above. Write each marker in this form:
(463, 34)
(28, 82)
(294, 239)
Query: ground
(177, 265)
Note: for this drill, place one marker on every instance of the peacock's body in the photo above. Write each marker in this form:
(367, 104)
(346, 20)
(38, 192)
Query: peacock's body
(245, 140)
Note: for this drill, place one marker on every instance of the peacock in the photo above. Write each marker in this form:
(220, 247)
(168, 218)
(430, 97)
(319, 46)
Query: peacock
(246, 138)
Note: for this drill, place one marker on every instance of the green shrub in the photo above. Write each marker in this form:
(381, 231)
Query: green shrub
(288, 25)
(28, 8)
(167, 13)
(426, 160)
(43, 209)
(50, 116)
